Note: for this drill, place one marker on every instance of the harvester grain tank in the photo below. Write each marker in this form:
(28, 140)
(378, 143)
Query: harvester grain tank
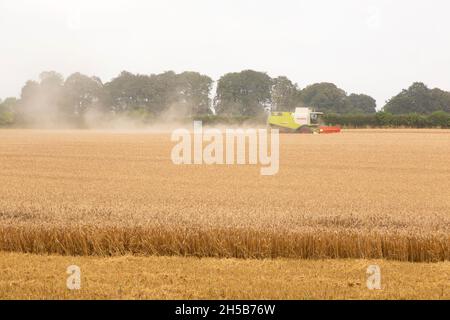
(302, 120)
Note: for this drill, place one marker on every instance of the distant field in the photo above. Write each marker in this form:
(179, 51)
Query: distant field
(25, 276)
(382, 194)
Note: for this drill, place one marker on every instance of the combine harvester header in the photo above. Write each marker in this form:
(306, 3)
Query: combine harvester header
(303, 120)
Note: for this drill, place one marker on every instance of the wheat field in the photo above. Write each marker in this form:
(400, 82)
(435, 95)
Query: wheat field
(363, 194)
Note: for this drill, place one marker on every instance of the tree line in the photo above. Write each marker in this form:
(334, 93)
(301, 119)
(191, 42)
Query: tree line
(245, 94)
(415, 107)
(437, 119)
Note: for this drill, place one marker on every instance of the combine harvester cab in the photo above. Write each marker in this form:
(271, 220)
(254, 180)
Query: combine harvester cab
(303, 120)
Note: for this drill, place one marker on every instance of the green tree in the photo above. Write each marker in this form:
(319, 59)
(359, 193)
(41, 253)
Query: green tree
(325, 97)
(441, 99)
(193, 92)
(128, 91)
(7, 111)
(420, 99)
(51, 89)
(361, 103)
(244, 93)
(184, 94)
(81, 93)
(284, 94)
(164, 91)
(9, 103)
(40, 101)
(440, 119)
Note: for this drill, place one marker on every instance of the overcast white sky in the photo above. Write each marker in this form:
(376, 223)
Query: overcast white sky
(364, 46)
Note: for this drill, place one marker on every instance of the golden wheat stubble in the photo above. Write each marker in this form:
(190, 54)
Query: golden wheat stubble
(25, 276)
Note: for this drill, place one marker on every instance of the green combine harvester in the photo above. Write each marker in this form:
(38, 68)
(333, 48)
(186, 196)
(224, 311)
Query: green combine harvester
(303, 120)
